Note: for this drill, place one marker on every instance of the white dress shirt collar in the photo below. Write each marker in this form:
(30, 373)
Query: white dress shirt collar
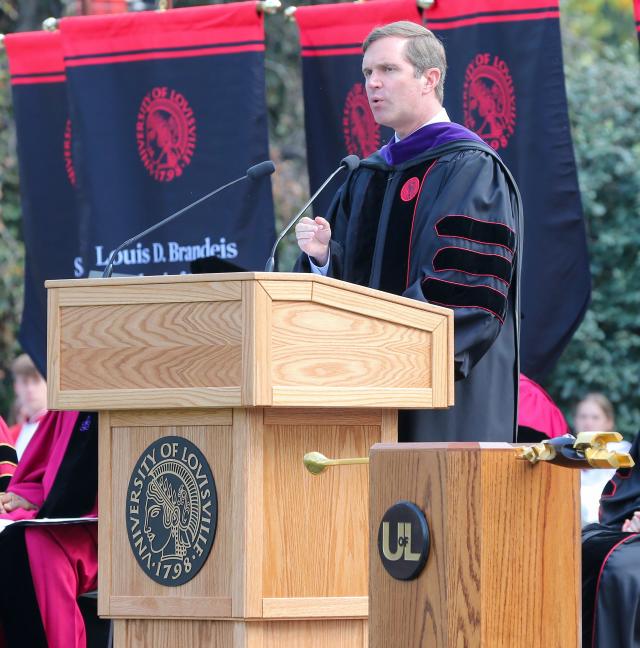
(440, 116)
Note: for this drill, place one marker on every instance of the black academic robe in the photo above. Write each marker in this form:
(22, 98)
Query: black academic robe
(443, 227)
(611, 566)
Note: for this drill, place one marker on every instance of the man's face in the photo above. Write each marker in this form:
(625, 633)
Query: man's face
(397, 98)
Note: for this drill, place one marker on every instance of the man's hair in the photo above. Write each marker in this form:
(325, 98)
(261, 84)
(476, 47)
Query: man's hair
(23, 366)
(423, 49)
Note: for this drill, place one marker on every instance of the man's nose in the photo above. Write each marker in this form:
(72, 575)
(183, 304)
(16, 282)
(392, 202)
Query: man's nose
(374, 81)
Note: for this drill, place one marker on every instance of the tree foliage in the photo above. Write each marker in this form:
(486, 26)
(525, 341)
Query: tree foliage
(11, 247)
(598, 22)
(604, 355)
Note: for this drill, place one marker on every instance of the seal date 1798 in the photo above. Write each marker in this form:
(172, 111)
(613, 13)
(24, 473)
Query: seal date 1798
(171, 510)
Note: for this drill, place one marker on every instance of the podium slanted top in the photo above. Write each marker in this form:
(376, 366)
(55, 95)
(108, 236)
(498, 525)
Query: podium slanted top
(243, 340)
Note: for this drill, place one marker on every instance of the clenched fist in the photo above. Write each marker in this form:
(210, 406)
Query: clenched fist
(313, 236)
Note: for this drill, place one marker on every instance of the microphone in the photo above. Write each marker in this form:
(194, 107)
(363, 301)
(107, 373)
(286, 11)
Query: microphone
(261, 169)
(253, 173)
(351, 163)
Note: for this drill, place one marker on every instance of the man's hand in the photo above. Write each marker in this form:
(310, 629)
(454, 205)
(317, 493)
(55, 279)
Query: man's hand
(632, 525)
(313, 238)
(10, 502)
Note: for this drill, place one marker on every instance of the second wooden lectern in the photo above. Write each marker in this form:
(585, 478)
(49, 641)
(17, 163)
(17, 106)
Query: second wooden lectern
(244, 373)
(503, 568)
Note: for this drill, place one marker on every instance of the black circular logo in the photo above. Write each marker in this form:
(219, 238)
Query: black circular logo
(172, 510)
(403, 540)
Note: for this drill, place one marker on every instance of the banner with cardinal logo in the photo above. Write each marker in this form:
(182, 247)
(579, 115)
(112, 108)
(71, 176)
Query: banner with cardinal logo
(166, 107)
(47, 177)
(506, 82)
(338, 120)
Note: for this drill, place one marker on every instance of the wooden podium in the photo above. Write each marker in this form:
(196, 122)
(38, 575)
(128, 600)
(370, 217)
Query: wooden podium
(503, 569)
(254, 369)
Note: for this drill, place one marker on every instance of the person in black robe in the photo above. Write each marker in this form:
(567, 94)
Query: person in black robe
(436, 216)
(611, 564)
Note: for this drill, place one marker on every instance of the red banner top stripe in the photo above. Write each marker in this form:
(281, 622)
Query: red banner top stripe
(350, 23)
(483, 20)
(34, 53)
(464, 8)
(159, 56)
(153, 30)
(38, 80)
(636, 8)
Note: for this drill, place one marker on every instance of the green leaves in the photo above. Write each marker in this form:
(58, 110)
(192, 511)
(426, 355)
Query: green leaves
(604, 102)
(11, 248)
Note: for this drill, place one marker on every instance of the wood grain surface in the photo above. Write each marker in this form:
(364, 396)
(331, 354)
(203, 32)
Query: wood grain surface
(315, 527)
(504, 566)
(227, 634)
(244, 338)
(327, 347)
(288, 545)
(146, 346)
(213, 584)
(326, 607)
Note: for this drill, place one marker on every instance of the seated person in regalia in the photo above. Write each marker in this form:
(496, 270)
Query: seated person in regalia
(46, 567)
(611, 564)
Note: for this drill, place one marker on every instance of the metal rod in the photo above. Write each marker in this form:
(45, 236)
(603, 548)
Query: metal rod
(316, 462)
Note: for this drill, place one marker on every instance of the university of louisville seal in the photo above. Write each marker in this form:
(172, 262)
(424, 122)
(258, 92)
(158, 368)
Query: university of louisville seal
(489, 100)
(68, 159)
(361, 132)
(171, 510)
(165, 133)
(410, 189)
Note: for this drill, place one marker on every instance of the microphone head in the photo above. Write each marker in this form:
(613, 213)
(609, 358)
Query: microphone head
(265, 168)
(351, 162)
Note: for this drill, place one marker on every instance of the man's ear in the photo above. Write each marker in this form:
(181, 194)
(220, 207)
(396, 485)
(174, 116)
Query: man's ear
(430, 78)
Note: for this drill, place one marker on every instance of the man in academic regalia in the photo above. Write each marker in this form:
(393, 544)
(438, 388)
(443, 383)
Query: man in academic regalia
(611, 564)
(433, 215)
(45, 568)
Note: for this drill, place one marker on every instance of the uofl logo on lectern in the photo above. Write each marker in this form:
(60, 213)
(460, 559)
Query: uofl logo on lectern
(171, 510)
(403, 540)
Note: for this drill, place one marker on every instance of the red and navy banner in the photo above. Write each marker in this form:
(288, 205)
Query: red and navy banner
(636, 10)
(47, 177)
(167, 106)
(506, 82)
(338, 120)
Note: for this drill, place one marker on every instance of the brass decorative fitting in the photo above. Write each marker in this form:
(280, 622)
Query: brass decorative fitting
(50, 24)
(316, 462)
(269, 6)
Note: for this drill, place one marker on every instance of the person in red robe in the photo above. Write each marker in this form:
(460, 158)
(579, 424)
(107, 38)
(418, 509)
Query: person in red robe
(47, 567)
(539, 418)
(8, 457)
